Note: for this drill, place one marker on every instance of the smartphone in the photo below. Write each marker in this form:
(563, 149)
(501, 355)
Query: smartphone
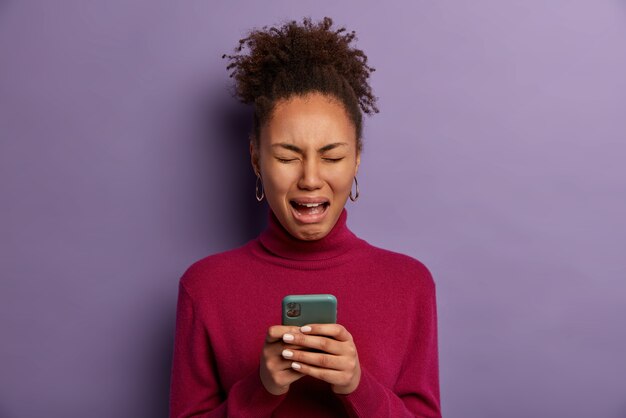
(300, 310)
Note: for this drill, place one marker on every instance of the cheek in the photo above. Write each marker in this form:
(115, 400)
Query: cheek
(343, 181)
(277, 180)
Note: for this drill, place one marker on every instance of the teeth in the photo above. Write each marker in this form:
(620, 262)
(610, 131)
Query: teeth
(309, 205)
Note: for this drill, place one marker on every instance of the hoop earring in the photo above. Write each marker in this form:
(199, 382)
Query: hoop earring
(256, 189)
(356, 196)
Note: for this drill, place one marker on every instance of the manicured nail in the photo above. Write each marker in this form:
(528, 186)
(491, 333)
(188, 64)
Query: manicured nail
(305, 328)
(287, 353)
(295, 366)
(288, 337)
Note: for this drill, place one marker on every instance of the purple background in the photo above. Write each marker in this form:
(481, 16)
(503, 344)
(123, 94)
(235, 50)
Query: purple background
(497, 160)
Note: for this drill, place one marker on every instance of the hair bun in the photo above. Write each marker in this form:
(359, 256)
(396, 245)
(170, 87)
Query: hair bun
(277, 62)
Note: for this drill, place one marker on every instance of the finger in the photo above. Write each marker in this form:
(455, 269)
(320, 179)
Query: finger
(322, 360)
(335, 331)
(282, 366)
(276, 332)
(315, 342)
(284, 346)
(272, 355)
(334, 377)
(277, 364)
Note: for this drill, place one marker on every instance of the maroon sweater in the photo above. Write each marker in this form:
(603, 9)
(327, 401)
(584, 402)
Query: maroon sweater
(227, 301)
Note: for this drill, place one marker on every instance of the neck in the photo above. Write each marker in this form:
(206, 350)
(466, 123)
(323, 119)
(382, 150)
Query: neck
(278, 241)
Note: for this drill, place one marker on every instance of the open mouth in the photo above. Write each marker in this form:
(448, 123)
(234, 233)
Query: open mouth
(309, 208)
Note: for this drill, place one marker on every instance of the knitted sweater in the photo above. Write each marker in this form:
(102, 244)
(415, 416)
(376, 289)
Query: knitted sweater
(227, 301)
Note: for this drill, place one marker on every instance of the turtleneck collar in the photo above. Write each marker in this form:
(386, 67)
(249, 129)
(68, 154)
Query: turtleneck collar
(278, 241)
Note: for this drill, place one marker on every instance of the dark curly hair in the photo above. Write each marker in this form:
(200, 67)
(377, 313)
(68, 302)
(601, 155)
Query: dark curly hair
(299, 59)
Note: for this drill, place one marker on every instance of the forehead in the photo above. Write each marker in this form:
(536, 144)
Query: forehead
(311, 120)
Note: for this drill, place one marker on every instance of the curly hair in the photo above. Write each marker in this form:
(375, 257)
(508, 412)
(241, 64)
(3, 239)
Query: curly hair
(299, 59)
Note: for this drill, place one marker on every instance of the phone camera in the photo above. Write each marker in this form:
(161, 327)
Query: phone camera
(293, 310)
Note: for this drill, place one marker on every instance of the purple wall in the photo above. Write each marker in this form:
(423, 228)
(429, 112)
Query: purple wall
(497, 159)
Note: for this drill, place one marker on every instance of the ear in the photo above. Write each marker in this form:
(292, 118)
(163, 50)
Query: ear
(358, 162)
(254, 157)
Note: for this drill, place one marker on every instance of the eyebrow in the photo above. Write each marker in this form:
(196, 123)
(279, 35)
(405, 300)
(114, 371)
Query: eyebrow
(325, 148)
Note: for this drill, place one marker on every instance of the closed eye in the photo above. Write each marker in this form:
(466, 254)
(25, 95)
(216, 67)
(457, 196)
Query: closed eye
(285, 160)
(333, 160)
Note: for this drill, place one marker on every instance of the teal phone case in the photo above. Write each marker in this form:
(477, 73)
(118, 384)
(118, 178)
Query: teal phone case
(301, 310)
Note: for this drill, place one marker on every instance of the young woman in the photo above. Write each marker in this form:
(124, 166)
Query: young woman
(231, 357)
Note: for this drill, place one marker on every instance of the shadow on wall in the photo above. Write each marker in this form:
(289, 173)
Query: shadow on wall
(160, 365)
(229, 212)
(236, 213)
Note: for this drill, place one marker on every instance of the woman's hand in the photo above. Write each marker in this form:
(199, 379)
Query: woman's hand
(276, 372)
(337, 364)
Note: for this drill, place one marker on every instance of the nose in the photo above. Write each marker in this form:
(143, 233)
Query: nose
(311, 178)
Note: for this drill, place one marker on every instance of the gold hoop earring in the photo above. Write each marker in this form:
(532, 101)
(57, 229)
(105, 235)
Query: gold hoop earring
(356, 195)
(256, 188)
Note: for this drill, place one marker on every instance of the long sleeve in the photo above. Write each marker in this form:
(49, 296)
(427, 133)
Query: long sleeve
(227, 301)
(195, 389)
(416, 392)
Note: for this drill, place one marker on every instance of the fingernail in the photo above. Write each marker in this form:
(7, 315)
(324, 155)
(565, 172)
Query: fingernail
(305, 328)
(288, 337)
(287, 353)
(295, 366)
